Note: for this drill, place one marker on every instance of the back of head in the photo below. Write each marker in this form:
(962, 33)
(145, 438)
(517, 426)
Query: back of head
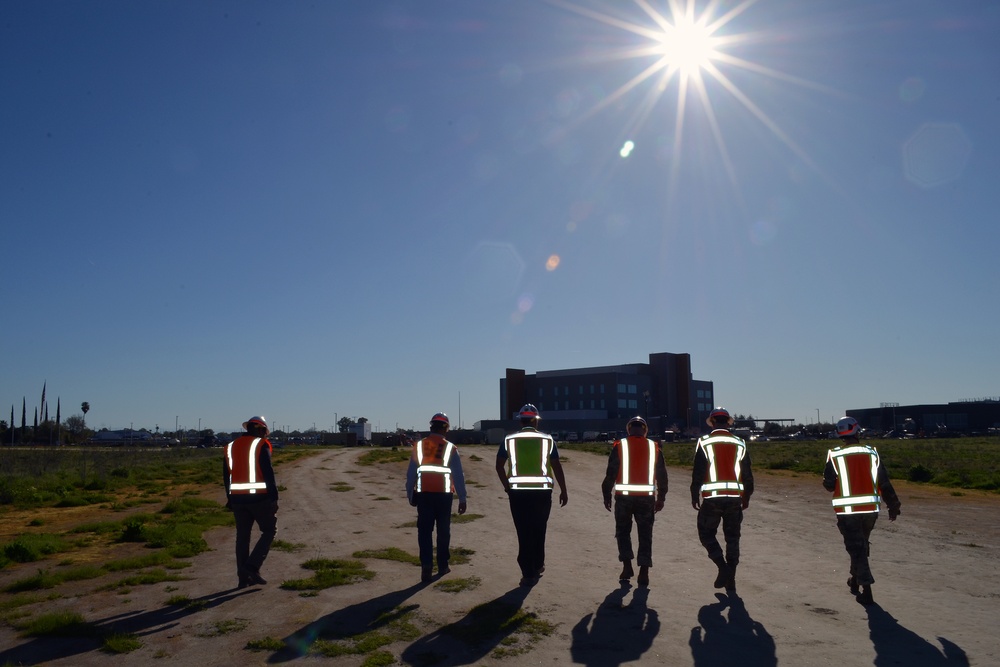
(257, 426)
(528, 415)
(848, 427)
(637, 426)
(440, 423)
(719, 418)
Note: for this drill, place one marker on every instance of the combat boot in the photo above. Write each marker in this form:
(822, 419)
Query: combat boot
(731, 582)
(866, 595)
(724, 574)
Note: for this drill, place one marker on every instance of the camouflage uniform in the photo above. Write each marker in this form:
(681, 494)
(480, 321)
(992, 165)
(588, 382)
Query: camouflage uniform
(641, 508)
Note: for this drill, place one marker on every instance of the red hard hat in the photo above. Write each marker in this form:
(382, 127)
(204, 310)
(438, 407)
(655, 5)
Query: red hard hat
(440, 417)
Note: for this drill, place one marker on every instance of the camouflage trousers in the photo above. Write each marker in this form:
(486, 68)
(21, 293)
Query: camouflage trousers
(639, 508)
(728, 512)
(856, 529)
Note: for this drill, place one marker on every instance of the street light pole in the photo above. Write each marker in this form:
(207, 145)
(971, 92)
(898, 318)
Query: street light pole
(817, 416)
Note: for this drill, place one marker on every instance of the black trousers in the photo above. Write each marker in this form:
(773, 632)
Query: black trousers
(530, 508)
(263, 513)
(434, 509)
(728, 512)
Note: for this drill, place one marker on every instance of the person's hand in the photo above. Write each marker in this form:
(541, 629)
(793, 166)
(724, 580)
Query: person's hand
(563, 498)
(695, 504)
(229, 505)
(413, 500)
(658, 506)
(607, 503)
(893, 513)
(745, 502)
(461, 508)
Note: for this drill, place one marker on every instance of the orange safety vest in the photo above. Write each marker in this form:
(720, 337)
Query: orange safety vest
(243, 465)
(432, 455)
(637, 466)
(857, 479)
(724, 451)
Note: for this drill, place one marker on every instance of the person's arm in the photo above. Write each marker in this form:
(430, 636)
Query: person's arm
(660, 475)
(746, 472)
(610, 475)
(268, 470)
(225, 478)
(888, 493)
(829, 476)
(411, 481)
(501, 467)
(458, 479)
(557, 470)
(698, 477)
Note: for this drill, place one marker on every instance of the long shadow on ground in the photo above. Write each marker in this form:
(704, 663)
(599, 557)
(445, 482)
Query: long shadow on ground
(615, 634)
(90, 636)
(346, 622)
(736, 640)
(472, 637)
(896, 645)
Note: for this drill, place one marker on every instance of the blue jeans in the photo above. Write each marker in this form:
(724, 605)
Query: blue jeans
(434, 508)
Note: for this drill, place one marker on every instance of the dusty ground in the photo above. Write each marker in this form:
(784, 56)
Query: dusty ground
(937, 591)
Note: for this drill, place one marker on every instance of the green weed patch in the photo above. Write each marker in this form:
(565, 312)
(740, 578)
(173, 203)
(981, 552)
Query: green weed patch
(376, 456)
(387, 628)
(328, 573)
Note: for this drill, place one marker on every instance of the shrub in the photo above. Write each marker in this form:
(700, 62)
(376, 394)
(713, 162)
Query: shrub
(920, 473)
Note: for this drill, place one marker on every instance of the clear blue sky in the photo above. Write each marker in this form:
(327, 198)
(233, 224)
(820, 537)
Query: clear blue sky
(306, 209)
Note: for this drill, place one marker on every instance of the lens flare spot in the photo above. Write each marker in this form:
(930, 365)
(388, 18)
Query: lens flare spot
(552, 263)
(626, 148)
(525, 303)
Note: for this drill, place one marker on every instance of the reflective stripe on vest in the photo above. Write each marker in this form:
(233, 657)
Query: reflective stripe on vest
(722, 483)
(644, 484)
(857, 480)
(434, 476)
(250, 485)
(528, 469)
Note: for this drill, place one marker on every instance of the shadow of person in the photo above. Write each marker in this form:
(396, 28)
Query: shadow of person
(736, 639)
(896, 645)
(473, 636)
(615, 634)
(89, 636)
(347, 622)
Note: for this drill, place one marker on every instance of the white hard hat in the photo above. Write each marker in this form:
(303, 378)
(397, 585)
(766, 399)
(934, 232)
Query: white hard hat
(847, 426)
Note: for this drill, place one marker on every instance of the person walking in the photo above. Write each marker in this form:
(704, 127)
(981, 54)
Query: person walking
(252, 495)
(721, 486)
(637, 474)
(435, 470)
(858, 480)
(526, 463)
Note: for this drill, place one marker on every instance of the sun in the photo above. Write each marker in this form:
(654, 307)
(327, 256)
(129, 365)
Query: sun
(687, 45)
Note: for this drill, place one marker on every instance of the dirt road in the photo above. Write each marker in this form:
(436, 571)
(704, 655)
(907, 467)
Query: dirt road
(937, 590)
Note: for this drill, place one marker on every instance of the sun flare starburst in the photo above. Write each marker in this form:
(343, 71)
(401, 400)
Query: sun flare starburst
(690, 47)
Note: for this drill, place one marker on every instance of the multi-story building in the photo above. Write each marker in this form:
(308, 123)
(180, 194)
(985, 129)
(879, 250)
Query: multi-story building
(604, 398)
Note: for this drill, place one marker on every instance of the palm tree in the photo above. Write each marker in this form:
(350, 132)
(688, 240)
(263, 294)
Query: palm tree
(85, 406)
